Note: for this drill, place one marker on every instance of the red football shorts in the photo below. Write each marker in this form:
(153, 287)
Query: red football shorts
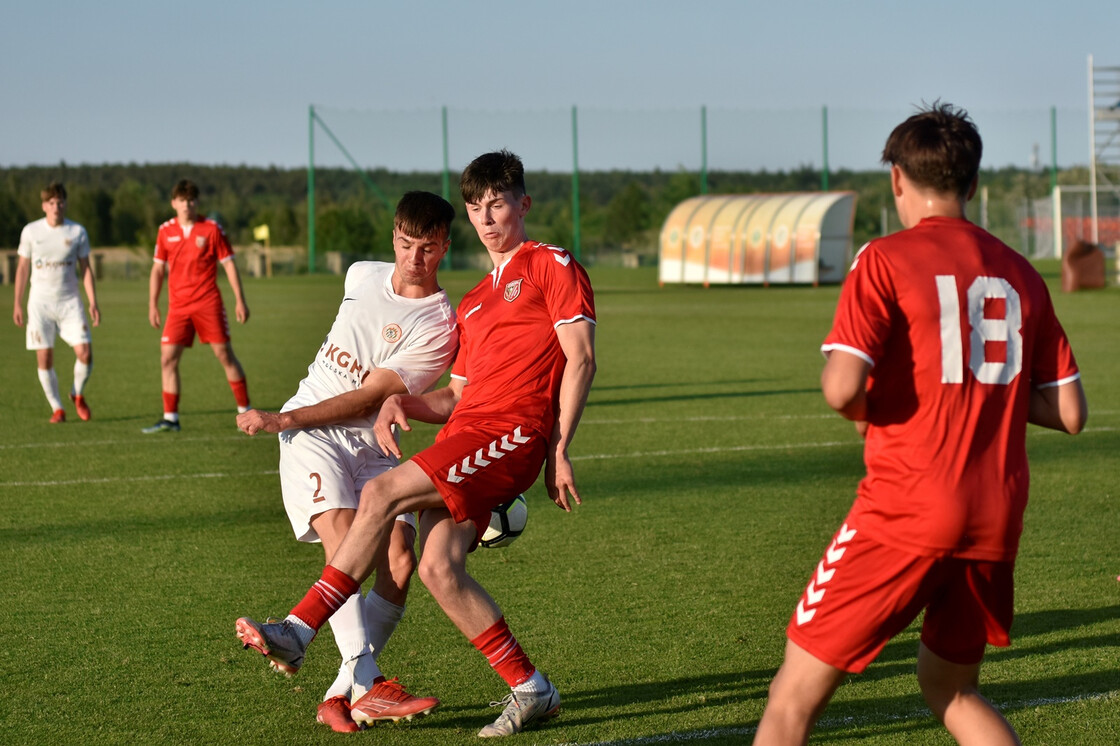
(863, 593)
(208, 320)
(477, 468)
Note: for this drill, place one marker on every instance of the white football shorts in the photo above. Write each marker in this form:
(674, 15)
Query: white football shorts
(325, 468)
(64, 318)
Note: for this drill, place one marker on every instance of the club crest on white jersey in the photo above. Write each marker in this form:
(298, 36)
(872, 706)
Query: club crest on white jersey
(392, 333)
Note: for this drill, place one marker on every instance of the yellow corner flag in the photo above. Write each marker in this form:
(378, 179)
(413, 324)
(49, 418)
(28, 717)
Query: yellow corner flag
(260, 233)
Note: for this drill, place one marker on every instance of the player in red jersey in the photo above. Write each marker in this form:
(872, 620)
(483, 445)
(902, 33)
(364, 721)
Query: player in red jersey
(189, 249)
(518, 388)
(944, 346)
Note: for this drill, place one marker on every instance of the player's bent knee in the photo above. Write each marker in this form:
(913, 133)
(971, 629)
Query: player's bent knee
(376, 504)
(438, 574)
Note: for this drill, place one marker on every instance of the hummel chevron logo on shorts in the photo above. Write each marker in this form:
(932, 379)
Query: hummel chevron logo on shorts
(486, 456)
(814, 594)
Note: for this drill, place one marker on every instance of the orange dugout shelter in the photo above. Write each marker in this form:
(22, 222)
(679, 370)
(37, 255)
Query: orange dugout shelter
(758, 239)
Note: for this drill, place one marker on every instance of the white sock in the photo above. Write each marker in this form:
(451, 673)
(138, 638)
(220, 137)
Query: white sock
(81, 375)
(174, 417)
(49, 381)
(382, 618)
(348, 625)
(359, 668)
(535, 684)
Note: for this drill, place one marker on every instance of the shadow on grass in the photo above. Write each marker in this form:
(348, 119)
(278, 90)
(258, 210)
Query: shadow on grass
(595, 402)
(652, 699)
(677, 384)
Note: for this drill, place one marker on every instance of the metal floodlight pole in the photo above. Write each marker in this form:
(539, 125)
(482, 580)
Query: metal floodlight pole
(1092, 157)
(575, 185)
(311, 189)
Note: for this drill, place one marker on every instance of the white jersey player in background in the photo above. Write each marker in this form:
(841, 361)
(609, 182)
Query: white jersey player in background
(49, 250)
(395, 333)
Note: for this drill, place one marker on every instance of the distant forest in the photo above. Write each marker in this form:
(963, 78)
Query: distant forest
(620, 211)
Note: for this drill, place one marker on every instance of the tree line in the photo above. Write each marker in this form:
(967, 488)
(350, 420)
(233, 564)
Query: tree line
(124, 204)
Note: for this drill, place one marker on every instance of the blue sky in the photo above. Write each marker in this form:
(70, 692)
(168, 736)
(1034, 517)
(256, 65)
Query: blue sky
(231, 82)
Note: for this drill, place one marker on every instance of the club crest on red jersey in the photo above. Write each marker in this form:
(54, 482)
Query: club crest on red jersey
(200, 241)
(392, 333)
(513, 289)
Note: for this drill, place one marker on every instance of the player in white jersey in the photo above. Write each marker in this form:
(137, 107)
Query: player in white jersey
(395, 332)
(49, 250)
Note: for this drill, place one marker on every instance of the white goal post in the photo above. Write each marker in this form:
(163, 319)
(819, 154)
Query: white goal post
(1066, 217)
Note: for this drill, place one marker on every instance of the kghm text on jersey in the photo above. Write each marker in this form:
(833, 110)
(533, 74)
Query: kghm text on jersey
(343, 362)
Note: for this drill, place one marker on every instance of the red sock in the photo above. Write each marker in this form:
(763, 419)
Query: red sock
(504, 653)
(170, 402)
(240, 392)
(326, 597)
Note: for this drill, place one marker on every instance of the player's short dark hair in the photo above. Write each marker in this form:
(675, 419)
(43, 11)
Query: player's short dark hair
(54, 190)
(424, 215)
(186, 189)
(938, 148)
(496, 172)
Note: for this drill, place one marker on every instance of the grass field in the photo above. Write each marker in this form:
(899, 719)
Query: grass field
(713, 476)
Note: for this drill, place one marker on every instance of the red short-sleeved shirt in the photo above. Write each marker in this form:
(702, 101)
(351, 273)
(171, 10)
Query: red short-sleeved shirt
(958, 328)
(509, 355)
(192, 261)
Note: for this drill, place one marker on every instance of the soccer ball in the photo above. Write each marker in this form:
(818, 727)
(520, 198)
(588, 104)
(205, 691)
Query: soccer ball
(507, 521)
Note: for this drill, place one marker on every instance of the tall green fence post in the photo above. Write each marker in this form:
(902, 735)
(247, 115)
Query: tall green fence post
(446, 263)
(1053, 148)
(311, 189)
(824, 137)
(446, 169)
(703, 150)
(575, 185)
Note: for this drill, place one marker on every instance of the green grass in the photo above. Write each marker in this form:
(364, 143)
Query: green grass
(713, 476)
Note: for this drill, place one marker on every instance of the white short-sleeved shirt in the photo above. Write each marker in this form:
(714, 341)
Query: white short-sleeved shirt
(376, 328)
(54, 252)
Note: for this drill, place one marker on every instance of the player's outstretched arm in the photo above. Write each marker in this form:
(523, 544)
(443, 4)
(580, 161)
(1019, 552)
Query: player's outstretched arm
(155, 286)
(434, 407)
(844, 384)
(380, 384)
(23, 274)
(241, 308)
(1061, 407)
(577, 340)
(86, 271)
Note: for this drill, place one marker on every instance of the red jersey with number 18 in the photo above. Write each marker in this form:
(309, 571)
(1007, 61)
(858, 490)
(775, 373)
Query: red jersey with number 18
(192, 261)
(958, 327)
(509, 355)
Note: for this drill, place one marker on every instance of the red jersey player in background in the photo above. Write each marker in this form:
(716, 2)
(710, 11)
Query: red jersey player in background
(189, 249)
(944, 346)
(518, 388)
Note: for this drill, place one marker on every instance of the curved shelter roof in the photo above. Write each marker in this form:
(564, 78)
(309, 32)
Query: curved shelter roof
(758, 239)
